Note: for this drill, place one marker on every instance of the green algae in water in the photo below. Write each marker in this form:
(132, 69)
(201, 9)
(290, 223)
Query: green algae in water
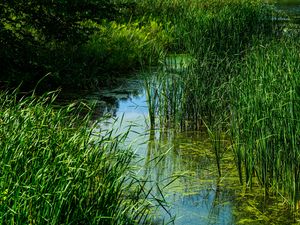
(181, 165)
(255, 208)
(197, 195)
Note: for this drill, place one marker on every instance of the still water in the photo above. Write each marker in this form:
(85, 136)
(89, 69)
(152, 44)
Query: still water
(181, 167)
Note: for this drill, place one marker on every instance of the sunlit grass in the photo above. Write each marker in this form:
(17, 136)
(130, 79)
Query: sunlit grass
(265, 117)
(56, 170)
(243, 81)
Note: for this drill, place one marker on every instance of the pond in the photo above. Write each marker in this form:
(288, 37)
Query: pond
(181, 166)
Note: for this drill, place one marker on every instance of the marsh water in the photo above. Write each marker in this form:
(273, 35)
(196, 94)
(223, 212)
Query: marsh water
(181, 166)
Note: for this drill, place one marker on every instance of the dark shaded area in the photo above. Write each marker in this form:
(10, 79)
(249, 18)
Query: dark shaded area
(41, 37)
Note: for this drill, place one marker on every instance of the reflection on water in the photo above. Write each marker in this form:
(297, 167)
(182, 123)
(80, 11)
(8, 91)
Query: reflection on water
(181, 168)
(289, 7)
(188, 176)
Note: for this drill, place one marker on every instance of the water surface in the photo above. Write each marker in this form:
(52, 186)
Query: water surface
(181, 167)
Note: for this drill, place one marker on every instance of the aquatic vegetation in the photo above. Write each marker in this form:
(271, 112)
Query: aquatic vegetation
(55, 169)
(242, 85)
(215, 35)
(233, 71)
(265, 117)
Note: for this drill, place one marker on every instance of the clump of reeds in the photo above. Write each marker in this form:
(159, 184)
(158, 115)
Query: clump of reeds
(206, 26)
(265, 115)
(55, 170)
(216, 35)
(221, 37)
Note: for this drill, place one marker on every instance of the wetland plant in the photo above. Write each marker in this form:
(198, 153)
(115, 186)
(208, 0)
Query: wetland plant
(265, 117)
(238, 83)
(56, 170)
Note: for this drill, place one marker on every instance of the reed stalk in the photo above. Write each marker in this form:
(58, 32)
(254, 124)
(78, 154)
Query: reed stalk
(265, 115)
(56, 170)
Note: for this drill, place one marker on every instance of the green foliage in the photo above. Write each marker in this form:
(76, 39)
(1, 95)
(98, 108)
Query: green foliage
(265, 116)
(27, 28)
(218, 26)
(122, 47)
(79, 40)
(55, 170)
(57, 19)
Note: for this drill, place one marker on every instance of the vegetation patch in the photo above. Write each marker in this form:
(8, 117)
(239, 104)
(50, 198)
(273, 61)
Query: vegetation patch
(56, 170)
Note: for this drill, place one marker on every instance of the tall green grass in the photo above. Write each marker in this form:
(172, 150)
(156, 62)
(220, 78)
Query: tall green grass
(163, 93)
(243, 81)
(206, 26)
(54, 169)
(216, 35)
(265, 117)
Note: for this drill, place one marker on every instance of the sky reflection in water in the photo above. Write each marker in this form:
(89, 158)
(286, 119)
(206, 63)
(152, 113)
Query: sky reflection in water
(194, 197)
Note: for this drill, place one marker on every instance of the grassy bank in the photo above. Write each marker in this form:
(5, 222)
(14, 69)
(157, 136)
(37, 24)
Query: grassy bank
(86, 47)
(56, 170)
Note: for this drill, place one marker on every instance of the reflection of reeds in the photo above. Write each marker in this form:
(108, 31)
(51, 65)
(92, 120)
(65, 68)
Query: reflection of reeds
(236, 82)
